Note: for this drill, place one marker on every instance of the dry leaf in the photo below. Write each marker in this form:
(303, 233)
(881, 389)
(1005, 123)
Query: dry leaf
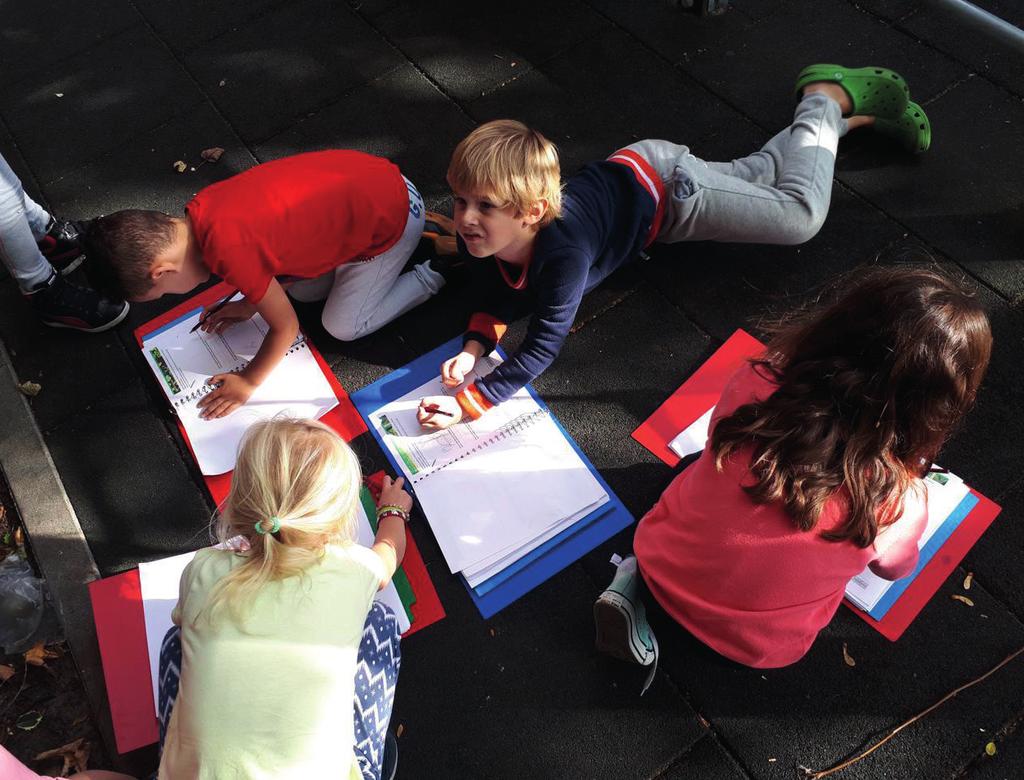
(990, 748)
(180, 166)
(212, 154)
(6, 672)
(29, 720)
(964, 599)
(968, 580)
(847, 657)
(399, 730)
(30, 388)
(39, 655)
(75, 755)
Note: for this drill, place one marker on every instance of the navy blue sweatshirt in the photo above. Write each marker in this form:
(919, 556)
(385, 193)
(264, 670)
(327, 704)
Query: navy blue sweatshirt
(606, 218)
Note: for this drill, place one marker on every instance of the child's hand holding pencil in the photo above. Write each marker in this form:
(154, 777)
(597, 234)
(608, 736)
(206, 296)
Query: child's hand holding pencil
(438, 411)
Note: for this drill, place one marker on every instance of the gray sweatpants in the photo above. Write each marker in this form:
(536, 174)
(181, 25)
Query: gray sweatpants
(779, 195)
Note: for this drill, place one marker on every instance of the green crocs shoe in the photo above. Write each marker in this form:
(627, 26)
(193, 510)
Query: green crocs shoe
(621, 621)
(877, 92)
(912, 130)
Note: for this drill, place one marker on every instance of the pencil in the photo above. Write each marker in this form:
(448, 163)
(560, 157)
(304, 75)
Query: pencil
(214, 310)
(435, 410)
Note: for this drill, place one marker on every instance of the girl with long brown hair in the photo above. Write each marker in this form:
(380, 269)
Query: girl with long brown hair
(812, 471)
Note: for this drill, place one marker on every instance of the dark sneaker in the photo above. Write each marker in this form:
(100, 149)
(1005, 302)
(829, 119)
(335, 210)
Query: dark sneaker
(64, 244)
(621, 621)
(61, 304)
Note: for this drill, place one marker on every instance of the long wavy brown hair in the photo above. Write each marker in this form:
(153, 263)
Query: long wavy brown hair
(869, 388)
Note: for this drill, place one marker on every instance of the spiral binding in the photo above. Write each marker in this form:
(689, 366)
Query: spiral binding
(510, 430)
(204, 389)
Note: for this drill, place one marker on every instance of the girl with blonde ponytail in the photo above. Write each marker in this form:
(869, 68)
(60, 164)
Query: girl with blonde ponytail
(279, 636)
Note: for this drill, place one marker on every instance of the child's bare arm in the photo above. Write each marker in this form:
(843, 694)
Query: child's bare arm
(389, 543)
(235, 389)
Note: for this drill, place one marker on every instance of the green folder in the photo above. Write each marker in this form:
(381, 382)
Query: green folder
(400, 579)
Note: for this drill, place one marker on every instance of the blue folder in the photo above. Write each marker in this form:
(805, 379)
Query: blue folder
(938, 539)
(548, 559)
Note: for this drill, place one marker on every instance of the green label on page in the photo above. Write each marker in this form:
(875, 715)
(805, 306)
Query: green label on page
(165, 372)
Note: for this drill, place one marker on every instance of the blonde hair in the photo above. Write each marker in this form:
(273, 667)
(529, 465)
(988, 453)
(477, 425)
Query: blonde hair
(510, 163)
(303, 474)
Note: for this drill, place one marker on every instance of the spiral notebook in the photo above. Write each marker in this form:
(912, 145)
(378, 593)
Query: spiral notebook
(492, 489)
(182, 361)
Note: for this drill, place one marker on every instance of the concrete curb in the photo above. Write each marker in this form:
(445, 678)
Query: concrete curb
(56, 538)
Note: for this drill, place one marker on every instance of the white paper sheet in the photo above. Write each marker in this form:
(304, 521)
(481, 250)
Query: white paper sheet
(183, 361)
(694, 437)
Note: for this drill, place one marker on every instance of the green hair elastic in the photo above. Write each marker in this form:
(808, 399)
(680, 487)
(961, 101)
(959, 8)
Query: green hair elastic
(275, 526)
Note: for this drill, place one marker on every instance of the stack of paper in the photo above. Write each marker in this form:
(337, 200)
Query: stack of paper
(183, 361)
(494, 489)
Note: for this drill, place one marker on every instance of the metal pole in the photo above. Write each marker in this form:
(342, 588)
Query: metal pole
(982, 20)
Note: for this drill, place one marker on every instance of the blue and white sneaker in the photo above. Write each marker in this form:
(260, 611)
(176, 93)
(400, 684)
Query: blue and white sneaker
(621, 621)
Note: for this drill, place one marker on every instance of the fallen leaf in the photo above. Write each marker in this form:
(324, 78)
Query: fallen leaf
(399, 730)
(180, 166)
(968, 580)
(39, 655)
(75, 755)
(990, 748)
(212, 154)
(222, 82)
(492, 631)
(847, 657)
(29, 720)
(30, 388)
(6, 672)
(19, 537)
(772, 760)
(59, 94)
(963, 599)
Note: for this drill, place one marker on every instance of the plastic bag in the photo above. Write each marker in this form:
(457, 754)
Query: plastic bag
(21, 603)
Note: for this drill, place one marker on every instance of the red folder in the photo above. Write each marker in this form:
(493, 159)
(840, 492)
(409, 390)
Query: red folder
(701, 391)
(695, 396)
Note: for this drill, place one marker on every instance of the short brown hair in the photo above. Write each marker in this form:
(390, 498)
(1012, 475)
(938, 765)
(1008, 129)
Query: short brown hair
(512, 164)
(123, 246)
(869, 389)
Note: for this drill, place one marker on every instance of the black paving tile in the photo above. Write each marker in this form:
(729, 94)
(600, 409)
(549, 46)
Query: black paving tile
(529, 696)
(707, 760)
(996, 558)
(35, 35)
(831, 32)
(1008, 759)
(75, 369)
(984, 54)
(127, 481)
(401, 116)
(288, 63)
(822, 711)
(125, 85)
(958, 196)
(469, 50)
(185, 24)
(140, 174)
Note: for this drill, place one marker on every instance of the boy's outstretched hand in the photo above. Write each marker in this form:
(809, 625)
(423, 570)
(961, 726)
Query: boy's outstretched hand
(226, 316)
(234, 391)
(454, 370)
(438, 411)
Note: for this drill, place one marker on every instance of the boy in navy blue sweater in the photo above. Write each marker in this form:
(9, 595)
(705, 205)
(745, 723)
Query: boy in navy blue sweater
(550, 247)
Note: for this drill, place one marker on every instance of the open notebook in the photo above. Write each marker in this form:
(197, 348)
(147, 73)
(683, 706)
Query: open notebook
(183, 361)
(492, 489)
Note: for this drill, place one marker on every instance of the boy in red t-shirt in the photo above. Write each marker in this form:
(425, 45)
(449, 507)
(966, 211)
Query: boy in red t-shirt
(343, 222)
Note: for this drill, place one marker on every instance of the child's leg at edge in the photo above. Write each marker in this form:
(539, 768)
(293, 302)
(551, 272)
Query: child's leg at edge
(377, 666)
(22, 223)
(779, 195)
(367, 296)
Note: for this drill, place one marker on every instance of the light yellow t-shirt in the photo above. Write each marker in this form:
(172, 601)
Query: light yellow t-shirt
(272, 697)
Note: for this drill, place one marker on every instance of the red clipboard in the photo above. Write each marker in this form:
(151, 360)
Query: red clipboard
(702, 390)
(343, 418)
(695, 396)
(121, 634)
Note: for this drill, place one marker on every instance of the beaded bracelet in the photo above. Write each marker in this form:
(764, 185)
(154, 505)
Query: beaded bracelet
(390, 509)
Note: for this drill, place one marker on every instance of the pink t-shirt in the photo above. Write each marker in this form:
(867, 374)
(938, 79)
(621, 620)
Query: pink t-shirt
(740, 576)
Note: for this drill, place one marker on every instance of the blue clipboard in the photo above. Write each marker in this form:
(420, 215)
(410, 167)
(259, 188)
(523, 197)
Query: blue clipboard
(927, 552)
(548, 559)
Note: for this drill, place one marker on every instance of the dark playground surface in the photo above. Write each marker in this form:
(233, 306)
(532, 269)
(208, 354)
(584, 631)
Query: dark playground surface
(97, 101)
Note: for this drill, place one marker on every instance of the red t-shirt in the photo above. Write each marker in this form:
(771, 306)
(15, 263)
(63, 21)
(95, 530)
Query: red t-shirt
(298, 216)
(741, 576)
